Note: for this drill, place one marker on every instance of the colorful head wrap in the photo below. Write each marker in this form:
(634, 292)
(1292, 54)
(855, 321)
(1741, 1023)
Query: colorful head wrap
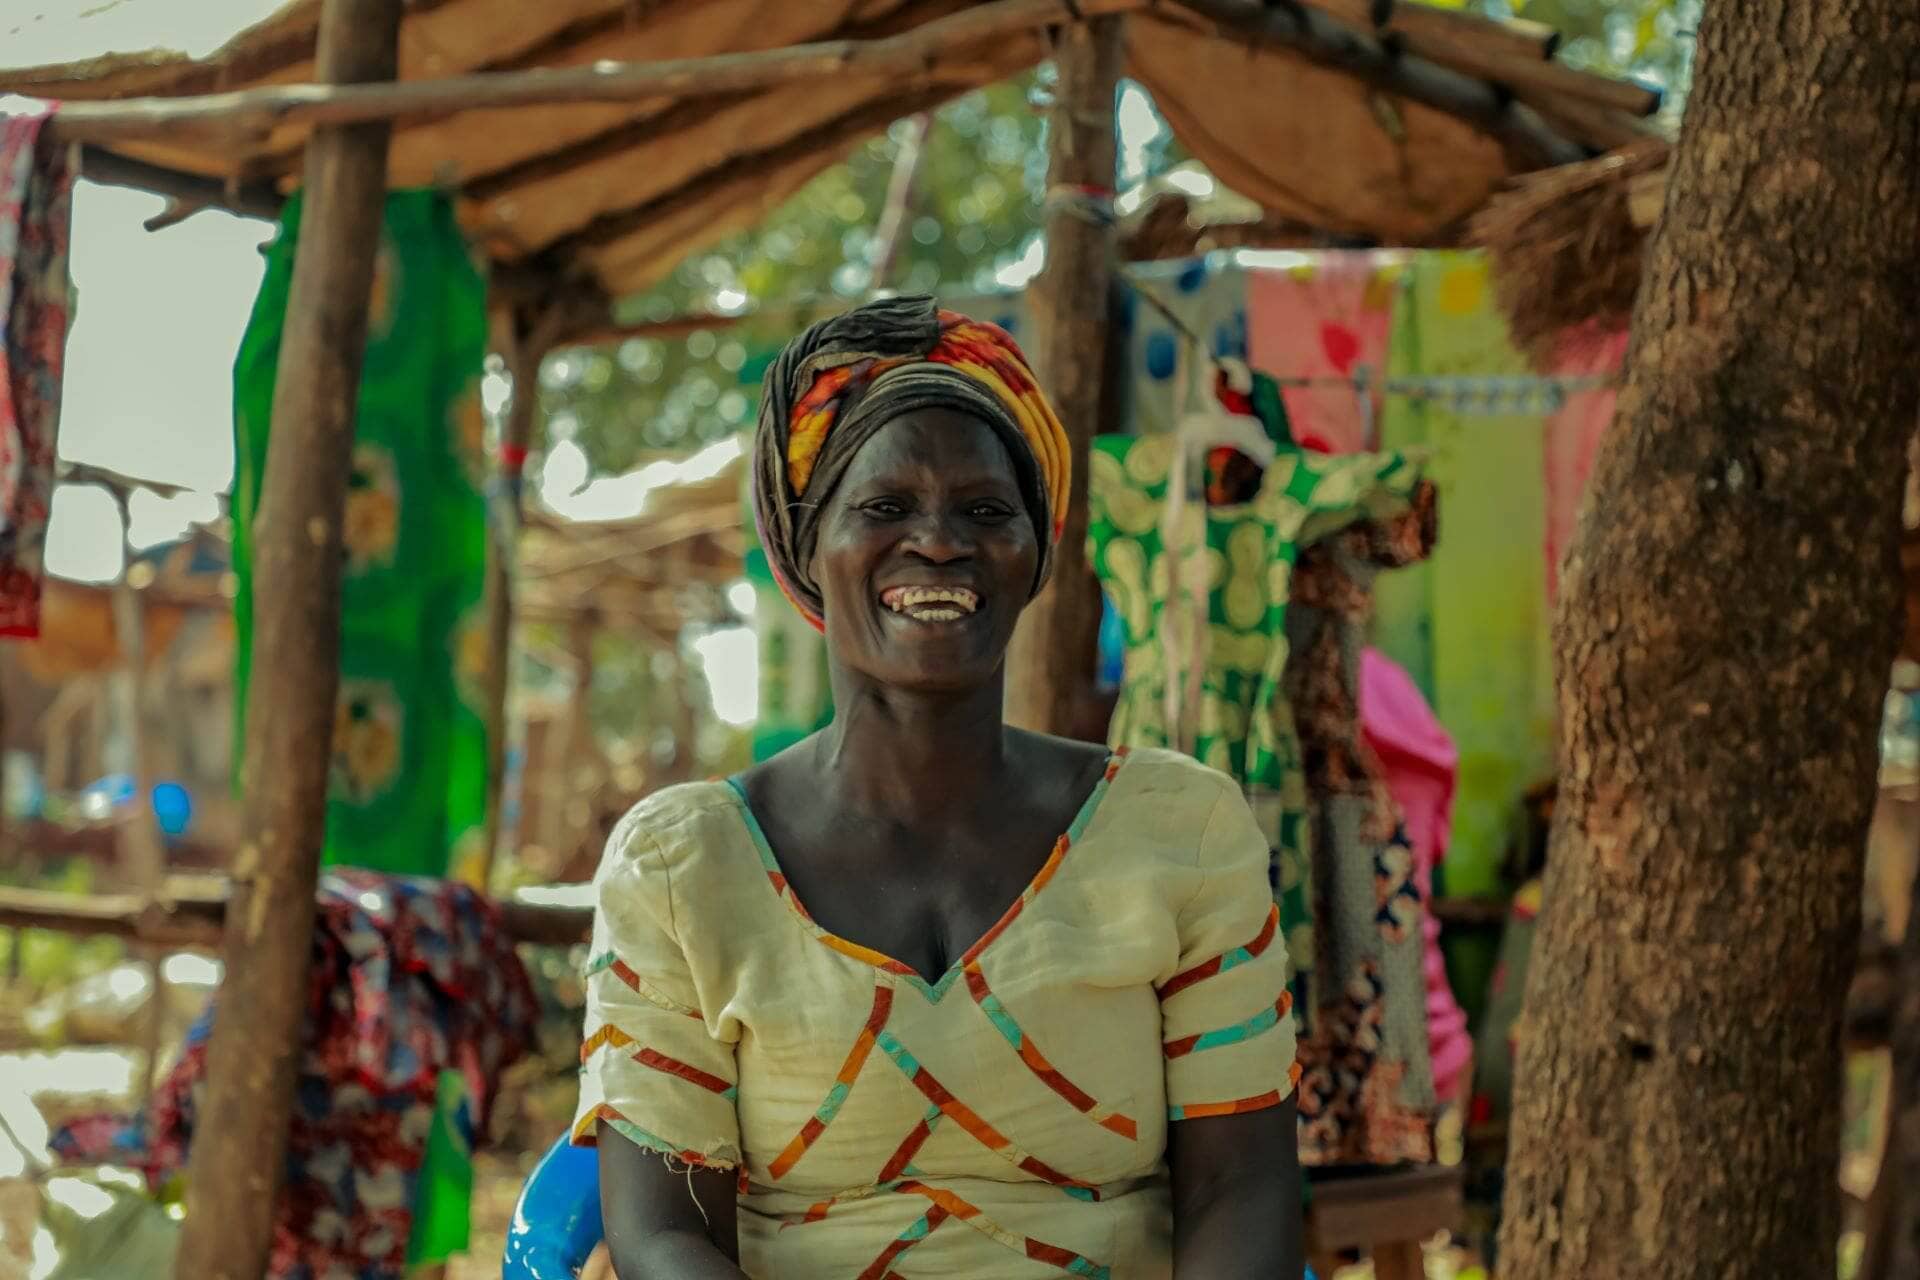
(843, 379)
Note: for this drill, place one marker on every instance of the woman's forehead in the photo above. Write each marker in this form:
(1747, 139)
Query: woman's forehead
(948, 442)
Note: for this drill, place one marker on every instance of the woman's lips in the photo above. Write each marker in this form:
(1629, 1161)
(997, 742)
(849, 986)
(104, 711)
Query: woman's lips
(931, 604)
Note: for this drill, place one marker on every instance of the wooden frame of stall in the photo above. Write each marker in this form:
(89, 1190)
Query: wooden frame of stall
(1496, 77)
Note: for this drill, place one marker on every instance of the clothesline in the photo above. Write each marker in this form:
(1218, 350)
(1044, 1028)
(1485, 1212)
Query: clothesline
(1488, 395)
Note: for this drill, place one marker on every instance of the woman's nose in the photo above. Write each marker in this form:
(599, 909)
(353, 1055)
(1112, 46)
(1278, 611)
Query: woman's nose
(939, 539)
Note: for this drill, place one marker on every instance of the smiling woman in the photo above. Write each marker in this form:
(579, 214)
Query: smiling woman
(781, 1077)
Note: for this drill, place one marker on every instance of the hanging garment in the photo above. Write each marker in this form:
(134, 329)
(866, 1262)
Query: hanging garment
(36, 194)
(407, 793)
(1420, 763)
(1470, 625)
(1367, 1093)
(416, 992)
(1326, 319)
(1202, 596)
(1573, 438)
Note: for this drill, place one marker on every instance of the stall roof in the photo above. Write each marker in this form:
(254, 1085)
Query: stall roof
(1393, 122)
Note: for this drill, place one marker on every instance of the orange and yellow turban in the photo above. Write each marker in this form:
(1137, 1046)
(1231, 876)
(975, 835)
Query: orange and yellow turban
(839, 382)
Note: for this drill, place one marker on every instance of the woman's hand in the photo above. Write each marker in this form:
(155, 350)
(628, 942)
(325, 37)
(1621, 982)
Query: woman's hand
(663, 1224)
(1237, 1212)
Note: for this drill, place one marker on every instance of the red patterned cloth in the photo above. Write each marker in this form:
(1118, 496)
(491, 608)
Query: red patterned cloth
(36, 190)
(411, 977)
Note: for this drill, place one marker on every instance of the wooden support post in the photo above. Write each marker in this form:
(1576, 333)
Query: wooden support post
(1050, 670)
(529, 336)
(240, 1149)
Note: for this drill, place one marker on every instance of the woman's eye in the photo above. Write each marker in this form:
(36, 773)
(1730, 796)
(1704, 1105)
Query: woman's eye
(989, 511)
(888, 507)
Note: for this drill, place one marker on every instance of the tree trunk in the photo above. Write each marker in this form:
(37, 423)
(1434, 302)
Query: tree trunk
(1050, 668)
(239, 1152)
(1724, 641)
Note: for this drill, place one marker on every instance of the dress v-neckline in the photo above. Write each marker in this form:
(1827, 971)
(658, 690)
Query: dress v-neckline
(933, 991)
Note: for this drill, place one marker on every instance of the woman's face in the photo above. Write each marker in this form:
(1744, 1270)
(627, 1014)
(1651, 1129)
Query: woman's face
(926, 554)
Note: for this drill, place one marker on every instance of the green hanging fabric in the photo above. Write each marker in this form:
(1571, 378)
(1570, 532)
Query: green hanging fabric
(407, 792)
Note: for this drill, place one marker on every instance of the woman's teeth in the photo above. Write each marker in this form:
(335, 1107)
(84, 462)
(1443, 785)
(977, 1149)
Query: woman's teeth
(931, 604)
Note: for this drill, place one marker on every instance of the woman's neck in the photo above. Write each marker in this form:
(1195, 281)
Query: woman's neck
(892, 755)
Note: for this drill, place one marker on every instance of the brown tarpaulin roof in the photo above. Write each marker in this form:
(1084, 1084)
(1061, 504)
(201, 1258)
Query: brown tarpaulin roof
(626, 190)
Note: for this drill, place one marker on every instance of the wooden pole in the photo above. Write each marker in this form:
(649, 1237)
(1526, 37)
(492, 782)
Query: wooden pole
(1050, 669)
(239, 1153)
(529, 336)
(899, 203)
(140, 839)
(253, 111)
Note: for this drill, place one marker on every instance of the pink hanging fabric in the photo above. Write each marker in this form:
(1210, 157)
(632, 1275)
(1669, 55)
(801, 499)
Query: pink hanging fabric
(1324, 319)
(1573, 437)
(1421, 764)
(36, 189)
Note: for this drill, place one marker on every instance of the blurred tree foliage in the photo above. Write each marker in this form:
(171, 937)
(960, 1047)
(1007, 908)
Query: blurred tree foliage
(975, 207)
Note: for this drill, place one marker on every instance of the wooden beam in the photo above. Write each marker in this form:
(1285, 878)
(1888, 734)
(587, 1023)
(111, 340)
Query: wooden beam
(1532, 78)
(1317, 36)
(529, 336)
(1597, 126)
(631, 133)
(1423, 27)
(1511, 53)
(193, 919)
(254, 1055)
(1050, 667)
(841, 131)
(253, 111)
(249, 199)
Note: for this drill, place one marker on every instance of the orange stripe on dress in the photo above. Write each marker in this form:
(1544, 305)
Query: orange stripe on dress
(607, 1035)
(1201, 1110)
(1226, 960)
(882, 1266)
(976, 1125)
(1037, 1062)
(1040, 880)
(842, 1084)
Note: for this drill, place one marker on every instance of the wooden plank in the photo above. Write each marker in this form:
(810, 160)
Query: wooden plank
(254, 1054)
(1050, 668)
(1424, 27)
(1318, 36)
(251, 112)
(1366, 1211)
(192, 917)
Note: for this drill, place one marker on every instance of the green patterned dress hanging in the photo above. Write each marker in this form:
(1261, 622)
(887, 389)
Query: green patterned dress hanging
(1202, 595)
(407, 791)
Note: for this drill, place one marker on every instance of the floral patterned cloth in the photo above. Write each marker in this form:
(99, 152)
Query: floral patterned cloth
(412, 980)
(1367, 1095)
(36, 189)
(408, 787)
(1221, 644)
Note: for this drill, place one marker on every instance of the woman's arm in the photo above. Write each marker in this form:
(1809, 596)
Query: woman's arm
(1236, 1196)
(663, 1224)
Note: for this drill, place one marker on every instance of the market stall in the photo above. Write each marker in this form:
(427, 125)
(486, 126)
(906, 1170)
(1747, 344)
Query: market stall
(584, 148)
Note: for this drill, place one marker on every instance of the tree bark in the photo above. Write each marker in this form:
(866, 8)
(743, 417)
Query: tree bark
(1726, 629)
(1050, 668)
(240, 1150)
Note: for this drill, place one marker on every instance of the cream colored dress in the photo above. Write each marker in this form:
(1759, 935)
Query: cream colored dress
(1009, 1120)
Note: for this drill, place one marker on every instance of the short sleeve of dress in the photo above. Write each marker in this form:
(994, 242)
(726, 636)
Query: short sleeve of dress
(1226, 1016)
(649, 1066)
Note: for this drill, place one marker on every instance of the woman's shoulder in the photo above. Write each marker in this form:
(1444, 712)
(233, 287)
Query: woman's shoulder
(1158, 775)
(675, 823)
